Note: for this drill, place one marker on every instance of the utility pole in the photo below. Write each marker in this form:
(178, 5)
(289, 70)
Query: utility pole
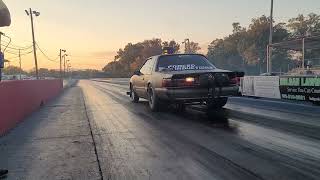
(68, 64)
(61, 56)
(186, 43)
(31, 13)
(270, 39)
(303, 52)
(60, 63)
(0, 41)
(69, 71)
(20, 63)
(64, 66)
(2, 59)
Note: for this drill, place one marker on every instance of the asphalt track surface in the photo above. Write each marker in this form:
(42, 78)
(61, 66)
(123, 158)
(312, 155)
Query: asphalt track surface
(111, 138)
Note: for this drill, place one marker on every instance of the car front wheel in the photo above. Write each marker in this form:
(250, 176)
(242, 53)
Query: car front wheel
(133, 95)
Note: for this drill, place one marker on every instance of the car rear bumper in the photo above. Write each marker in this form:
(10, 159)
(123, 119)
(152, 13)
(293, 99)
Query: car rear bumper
(196, 94)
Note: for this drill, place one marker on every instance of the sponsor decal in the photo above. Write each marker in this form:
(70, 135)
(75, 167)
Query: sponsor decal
(181, 67)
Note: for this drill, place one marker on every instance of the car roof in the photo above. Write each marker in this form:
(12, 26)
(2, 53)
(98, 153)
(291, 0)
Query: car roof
(162, 55)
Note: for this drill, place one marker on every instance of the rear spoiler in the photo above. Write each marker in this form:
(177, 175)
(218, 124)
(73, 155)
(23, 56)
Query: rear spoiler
(240, 74)
(236, 74)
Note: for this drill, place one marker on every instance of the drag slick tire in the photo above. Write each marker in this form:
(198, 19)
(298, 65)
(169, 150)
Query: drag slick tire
(154, 102)
(217, 103)
(133, 95)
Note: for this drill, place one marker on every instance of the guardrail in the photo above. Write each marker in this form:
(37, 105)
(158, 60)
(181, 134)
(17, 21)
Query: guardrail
(18, 99)
(302, 88)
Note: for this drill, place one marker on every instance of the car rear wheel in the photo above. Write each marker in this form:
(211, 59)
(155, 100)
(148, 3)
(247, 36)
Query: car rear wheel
(154, 102)
(217, 103)
(133, 95)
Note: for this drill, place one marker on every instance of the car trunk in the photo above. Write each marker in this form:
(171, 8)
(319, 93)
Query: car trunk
(212, 79)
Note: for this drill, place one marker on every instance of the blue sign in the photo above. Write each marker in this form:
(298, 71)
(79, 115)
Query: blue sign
(1, 60)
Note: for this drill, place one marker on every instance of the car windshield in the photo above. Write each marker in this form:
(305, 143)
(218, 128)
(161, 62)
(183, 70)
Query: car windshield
(183, 62)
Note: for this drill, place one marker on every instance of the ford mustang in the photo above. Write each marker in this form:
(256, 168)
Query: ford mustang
(183, 79)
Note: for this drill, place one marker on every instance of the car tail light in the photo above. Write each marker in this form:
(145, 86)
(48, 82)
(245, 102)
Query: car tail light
(181, 82)
(167, 82)
(235, 80)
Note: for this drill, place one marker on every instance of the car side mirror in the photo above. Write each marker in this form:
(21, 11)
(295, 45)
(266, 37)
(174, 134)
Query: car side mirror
(138, 73)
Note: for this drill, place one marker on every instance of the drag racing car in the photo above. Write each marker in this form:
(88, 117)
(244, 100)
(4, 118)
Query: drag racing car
(183, 79)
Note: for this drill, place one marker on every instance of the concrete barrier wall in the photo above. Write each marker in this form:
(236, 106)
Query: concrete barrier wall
(267, 86)
(19, 99)
(260, 86)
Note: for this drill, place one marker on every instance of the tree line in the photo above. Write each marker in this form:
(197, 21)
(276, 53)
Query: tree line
(132, 56)
(243, 50)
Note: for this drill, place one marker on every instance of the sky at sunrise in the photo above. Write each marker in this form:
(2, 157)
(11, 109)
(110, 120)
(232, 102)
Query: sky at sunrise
(93, 30)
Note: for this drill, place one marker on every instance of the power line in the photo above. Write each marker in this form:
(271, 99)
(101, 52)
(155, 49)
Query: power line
(11, 52)
(14, 53)
(50, 59)
(26, 53)
(18, 55)
(16, 47)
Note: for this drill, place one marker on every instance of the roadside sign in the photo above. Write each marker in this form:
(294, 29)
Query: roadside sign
(300, 88)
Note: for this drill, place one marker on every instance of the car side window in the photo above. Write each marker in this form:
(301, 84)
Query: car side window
(146, 67)
(143, 69)
(152, 64)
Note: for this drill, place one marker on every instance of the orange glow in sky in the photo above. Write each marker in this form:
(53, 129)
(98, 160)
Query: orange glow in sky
(92, 31)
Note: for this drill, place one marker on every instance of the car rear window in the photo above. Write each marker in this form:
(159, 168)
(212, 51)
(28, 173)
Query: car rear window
(183, 62)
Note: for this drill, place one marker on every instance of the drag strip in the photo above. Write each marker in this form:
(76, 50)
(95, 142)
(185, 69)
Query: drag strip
(135, 143)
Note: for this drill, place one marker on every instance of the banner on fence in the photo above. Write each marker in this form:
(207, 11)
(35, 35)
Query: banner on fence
(300, 88)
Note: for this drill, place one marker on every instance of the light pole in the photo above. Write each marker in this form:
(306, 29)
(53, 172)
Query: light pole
(1, 59)
(69, 69)
(186, 43)
(64, 65)
(60, 55)
(20, 63)
(36, 13)
(269, 63)
(1, 33)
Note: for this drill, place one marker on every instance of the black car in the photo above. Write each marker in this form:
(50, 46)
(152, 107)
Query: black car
(183, 79)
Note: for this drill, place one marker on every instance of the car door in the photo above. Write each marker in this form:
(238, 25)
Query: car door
(139, 80)
(148, 74)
